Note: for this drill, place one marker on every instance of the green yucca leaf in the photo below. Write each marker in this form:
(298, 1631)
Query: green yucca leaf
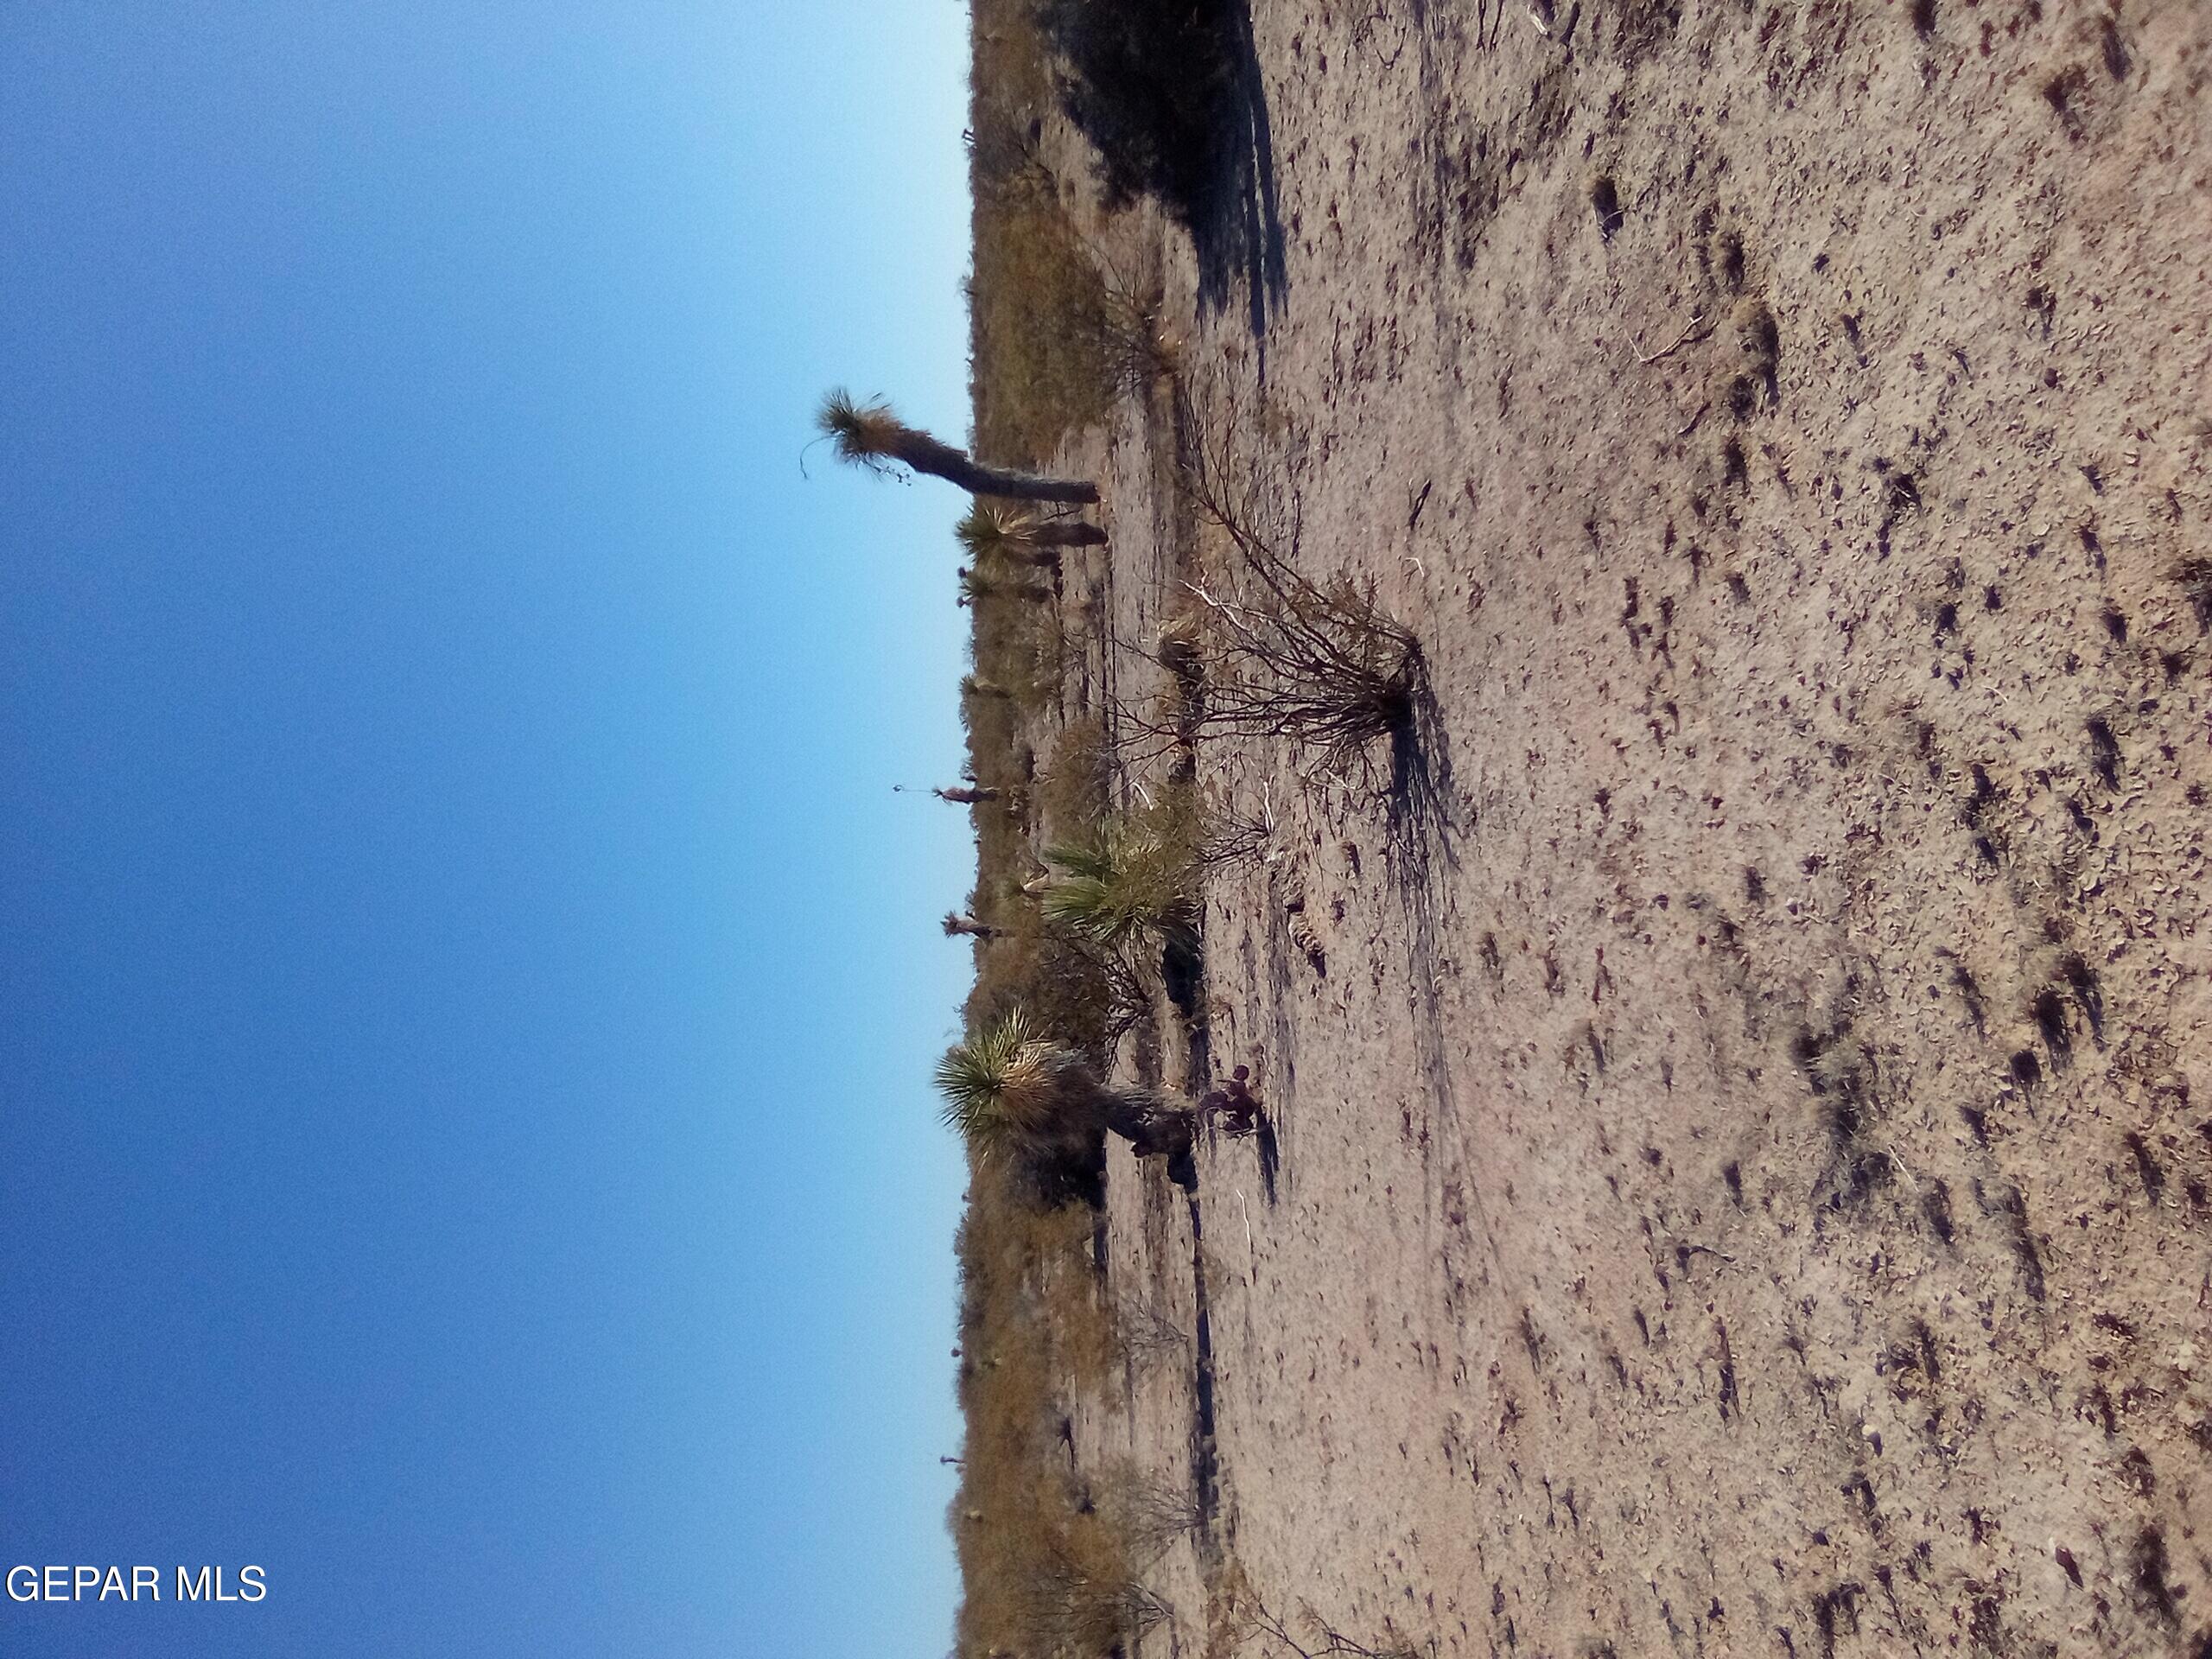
(1126, 880)
(998, 1085)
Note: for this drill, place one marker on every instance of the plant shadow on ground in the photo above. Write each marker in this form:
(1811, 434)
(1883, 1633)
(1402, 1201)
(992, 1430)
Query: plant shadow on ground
(1238, 227)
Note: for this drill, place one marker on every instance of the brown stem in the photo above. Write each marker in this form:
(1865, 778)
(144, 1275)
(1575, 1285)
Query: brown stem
(924, 454)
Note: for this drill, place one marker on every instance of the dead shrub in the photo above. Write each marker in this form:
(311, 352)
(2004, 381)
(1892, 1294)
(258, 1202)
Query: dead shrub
(1269, 653)
(1149, 1513)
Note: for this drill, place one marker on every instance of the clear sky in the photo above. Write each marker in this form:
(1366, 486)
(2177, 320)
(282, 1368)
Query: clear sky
(467, 986)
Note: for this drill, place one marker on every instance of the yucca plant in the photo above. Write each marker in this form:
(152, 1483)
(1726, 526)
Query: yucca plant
(990, 532)
(998, 1086)
(976, 585)
(1131, 877)
(1010, 1087)
(869, 435)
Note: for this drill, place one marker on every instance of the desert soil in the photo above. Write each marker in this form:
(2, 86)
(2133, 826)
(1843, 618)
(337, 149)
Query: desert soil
(1741, 1157)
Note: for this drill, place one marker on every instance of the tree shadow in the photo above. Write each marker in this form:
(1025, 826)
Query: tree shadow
(1236, 222)
(1417, 812)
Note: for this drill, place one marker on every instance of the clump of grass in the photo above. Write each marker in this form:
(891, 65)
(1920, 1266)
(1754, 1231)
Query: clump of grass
(1082, 1596)
(1076, 786)
(1138, 348)
(976, 586)
(2194, 577)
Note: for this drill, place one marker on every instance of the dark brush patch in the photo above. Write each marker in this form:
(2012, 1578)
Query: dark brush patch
(1532, 1340)
(2195, 578)
(2013, 1206)
(2088, 994)
(1970, 992)
(2136, 1473)
(2153, 1583)
(1728, 260)
(2117, 61)
(1935, 1204)
(1605, 202)
(1727, 1373)
(1835, 1612)
(2060, 92)
(2104, 751)
(2050, 1013)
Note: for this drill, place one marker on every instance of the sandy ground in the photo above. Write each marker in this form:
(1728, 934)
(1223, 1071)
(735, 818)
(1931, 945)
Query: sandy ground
(1744, 1163)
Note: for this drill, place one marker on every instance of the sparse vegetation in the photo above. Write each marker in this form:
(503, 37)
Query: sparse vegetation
(1148, 1513)
(1037, 309)
(1056, 335)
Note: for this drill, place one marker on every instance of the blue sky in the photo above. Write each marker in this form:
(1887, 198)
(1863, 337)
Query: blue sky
(469, 985)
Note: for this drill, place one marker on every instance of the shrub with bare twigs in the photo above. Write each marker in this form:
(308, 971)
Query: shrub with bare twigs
(1147, 1513)
(1267, 651)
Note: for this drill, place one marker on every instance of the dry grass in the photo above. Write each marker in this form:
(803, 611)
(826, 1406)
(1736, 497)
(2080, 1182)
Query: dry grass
(1038, 322)
(1044, 1574)
(1041, 1574)
(1043, 325)
(1076, 787)
(1148, 1512)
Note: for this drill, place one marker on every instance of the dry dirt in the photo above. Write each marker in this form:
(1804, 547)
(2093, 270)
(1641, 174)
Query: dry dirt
(1743, 1161)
